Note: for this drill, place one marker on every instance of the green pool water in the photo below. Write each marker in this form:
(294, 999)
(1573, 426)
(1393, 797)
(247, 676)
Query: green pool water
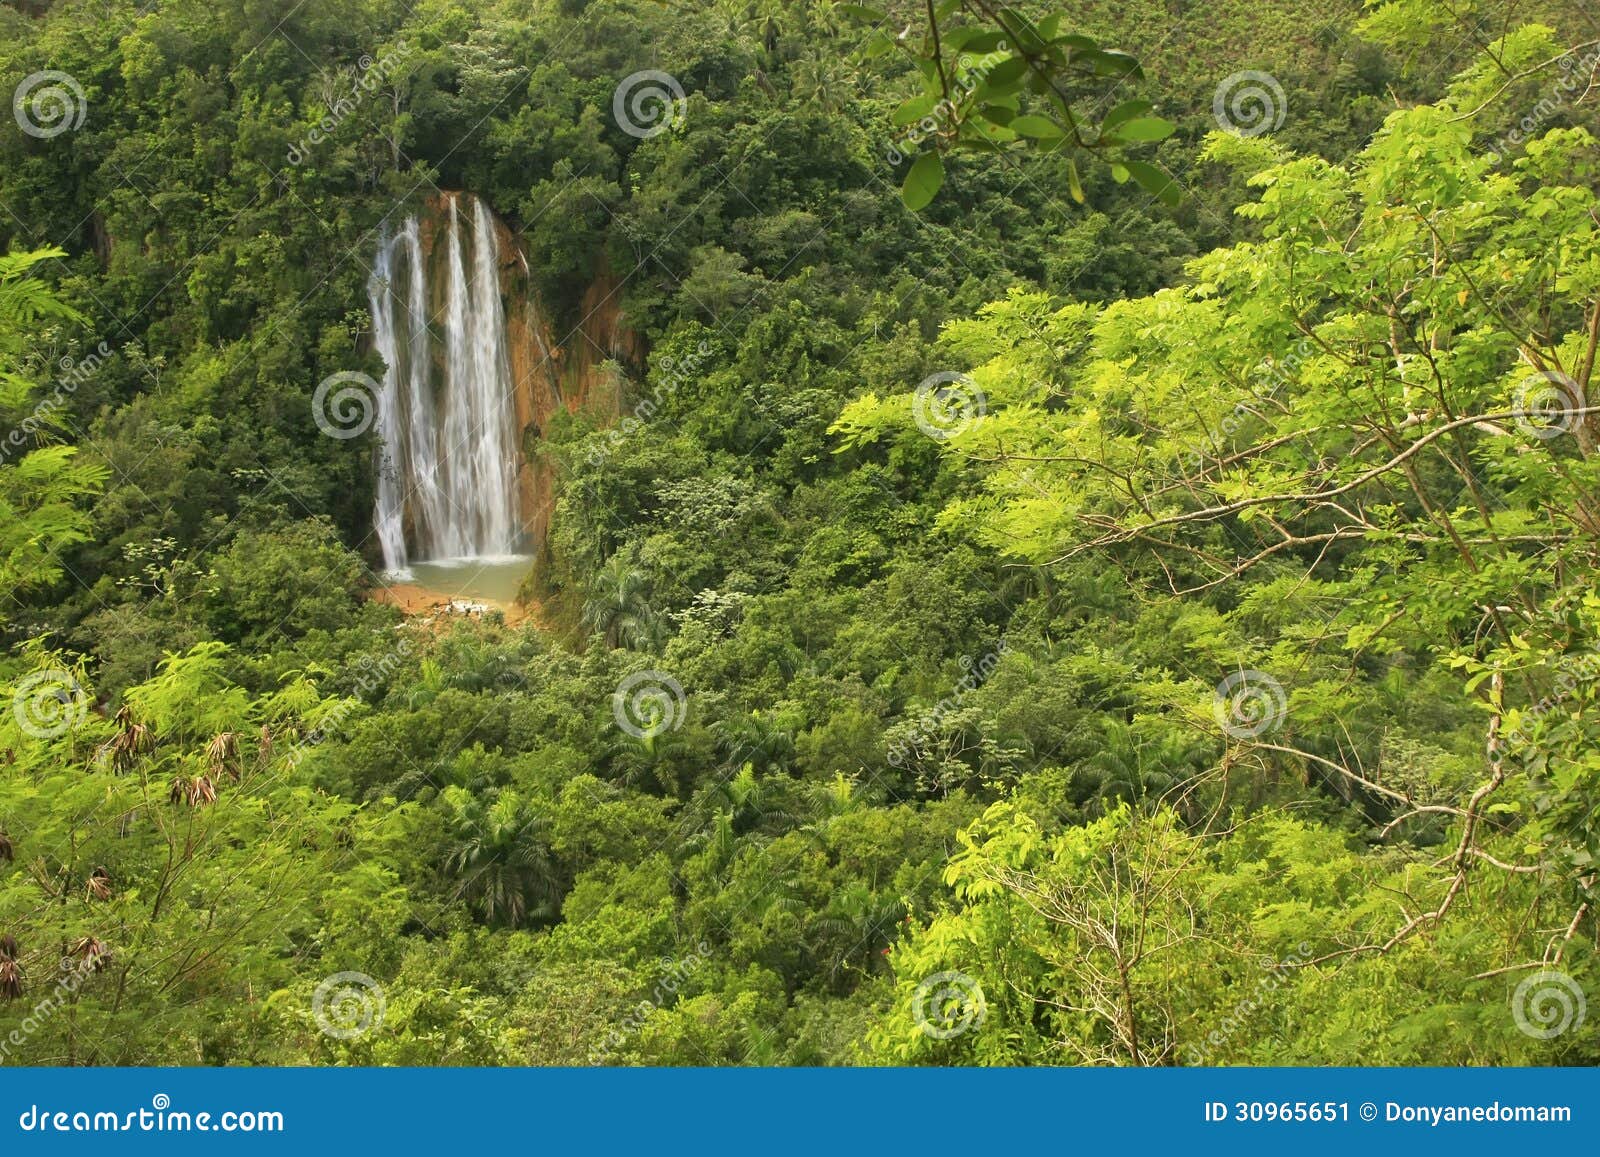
(494, 580)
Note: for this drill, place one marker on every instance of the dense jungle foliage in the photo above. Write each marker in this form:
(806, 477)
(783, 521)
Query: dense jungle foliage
(1081, 621)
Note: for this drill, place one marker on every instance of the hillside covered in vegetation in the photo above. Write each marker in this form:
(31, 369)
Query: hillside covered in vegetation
(1036, 539)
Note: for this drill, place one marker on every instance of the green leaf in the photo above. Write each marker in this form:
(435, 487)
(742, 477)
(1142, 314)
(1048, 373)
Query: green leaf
(922, 181)
(1074, 183)
(1038, 127)
(914, 109)
(1154, 181)
(1007, 72)
(862, 12)
(1145, 129)
(981, 42)
(958, 38)
(1123, 113)
(1108, 62)
(1022, 30)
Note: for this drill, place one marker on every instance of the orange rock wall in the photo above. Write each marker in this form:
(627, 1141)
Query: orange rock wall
(547, 369)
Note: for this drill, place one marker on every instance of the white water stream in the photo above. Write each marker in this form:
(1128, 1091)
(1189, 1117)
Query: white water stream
(447, 426)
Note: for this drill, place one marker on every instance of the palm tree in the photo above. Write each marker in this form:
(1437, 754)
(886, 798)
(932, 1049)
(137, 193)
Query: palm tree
(426, 684)
(749, 802)
(41, 507)
(716, 841)
(819, 78)
(837, 797)
(476, 664)
(1127, 768)
(618, 606)
(757, 738)
(858, 925)
(501, 855)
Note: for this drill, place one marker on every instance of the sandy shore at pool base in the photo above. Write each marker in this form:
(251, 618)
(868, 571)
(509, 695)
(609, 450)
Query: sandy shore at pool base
(418, 602)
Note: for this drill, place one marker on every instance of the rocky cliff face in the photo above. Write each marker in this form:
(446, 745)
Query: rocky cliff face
(549, 370)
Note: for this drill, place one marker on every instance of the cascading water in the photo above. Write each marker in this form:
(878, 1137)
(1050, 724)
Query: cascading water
(447, 468)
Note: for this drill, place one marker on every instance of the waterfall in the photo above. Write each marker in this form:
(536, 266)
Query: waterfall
(447, 426)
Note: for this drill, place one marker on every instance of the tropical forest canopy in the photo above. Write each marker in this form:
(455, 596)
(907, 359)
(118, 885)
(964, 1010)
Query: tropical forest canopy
(1091, 556)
